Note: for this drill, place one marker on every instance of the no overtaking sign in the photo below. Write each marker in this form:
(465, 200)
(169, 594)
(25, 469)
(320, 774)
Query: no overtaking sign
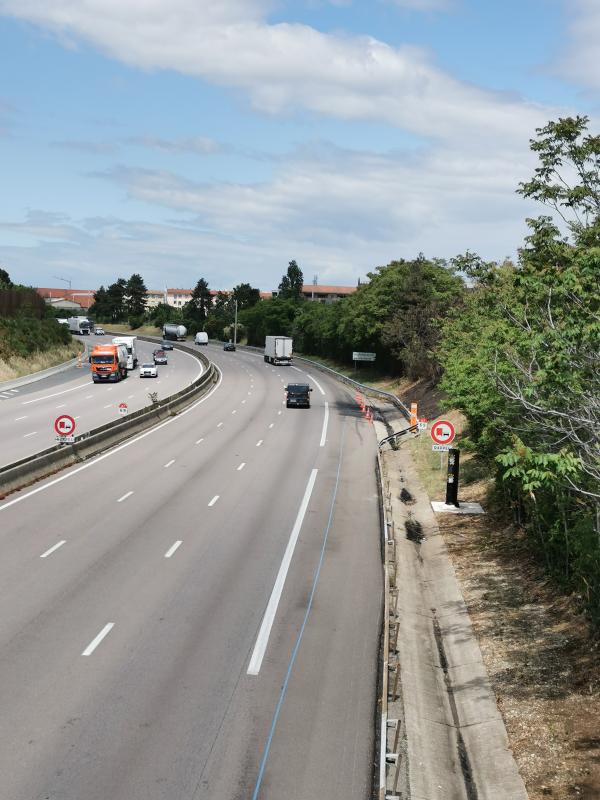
(442, 432)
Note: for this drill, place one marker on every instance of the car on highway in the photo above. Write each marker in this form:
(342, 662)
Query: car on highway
(166, 345)
(99, 331)
(160, 357)
(297, 395)
(148, 371)
(229, 346)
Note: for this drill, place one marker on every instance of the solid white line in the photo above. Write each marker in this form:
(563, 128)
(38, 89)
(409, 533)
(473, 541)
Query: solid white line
(172, 549)
(95, 642)
(314, 380)
(241, 466)
(17, 419)
(125, 496)
(325, 421)
(53, 548)
(168, 464)
(114, 450)
(213, 501)
(262, 639)
(199, 440)
(33, 433)
(56, 394)
(260, 441)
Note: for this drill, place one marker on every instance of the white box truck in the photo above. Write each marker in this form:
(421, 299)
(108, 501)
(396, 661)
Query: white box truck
(278, 350)
(201, 337)
(80, 325)
(130, 343)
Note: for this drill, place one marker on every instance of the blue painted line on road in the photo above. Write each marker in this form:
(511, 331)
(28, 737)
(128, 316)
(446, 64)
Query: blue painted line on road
(282, 694)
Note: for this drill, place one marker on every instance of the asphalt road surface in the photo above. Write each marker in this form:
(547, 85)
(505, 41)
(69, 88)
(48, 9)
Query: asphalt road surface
(27, 414)
(195, 614)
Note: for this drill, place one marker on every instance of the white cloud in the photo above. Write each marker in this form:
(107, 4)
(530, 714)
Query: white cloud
(201, 145)
(581, 62)
(422, 5)
(287, 67)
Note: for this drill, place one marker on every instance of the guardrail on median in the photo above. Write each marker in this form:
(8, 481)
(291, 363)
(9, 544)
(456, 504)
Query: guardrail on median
(27, 470)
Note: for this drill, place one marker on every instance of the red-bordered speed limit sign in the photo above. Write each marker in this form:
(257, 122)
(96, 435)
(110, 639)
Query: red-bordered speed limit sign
(64, 425)
(442, 432)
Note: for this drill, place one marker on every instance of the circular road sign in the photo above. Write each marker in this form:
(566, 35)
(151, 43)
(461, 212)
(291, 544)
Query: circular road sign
(442, 432)
(64, 425)
(123, 408)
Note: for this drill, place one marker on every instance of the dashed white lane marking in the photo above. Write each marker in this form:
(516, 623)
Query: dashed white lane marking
(53, 548)
(260, 441)
(56, 394)
(262, 639)
(297, 369)
(213, 501)
(172, 549)
(108, 406)
(241, 466)
(198, 441)
(62, 405)
(125, 496)
(271, 425)
(95, 642)
(279, 412)
(325, 421)
(15, 391)
(249, 393)
(243, 401)
(33, 433)
(88, 396)
(168, 464)
(220, 425)
(129, 396)
(234, 411)
(20, 418)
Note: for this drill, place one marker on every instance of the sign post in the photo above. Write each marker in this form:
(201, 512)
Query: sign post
(65, 428)
(357, 356)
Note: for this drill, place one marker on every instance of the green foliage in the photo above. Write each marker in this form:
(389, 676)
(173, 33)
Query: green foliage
(245, 295)
(5, 281)
(135, 296)
(292, 282)
(22, 336)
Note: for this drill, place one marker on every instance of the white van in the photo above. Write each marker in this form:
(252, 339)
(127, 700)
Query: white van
(201, 338)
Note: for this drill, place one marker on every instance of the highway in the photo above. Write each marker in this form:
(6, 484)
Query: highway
(195, 614)
(27, 414)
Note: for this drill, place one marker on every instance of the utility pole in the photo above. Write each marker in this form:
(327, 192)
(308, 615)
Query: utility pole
(235, 325)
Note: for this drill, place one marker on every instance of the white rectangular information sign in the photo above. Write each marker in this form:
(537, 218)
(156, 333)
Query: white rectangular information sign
(440, 448)
(363, 356)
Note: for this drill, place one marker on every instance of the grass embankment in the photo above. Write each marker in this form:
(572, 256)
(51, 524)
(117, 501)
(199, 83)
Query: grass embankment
(18, 366)
(29, 345)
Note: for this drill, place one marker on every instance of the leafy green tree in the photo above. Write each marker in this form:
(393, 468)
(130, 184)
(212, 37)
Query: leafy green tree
(101, 307)
(245, 295)
(116, 294)
(5, 281)
(268, 318)
(135, 296)
(292, 282)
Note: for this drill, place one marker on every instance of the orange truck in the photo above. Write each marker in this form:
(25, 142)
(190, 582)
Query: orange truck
(108, 362)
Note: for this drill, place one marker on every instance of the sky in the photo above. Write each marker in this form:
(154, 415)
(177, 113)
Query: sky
(186, 138)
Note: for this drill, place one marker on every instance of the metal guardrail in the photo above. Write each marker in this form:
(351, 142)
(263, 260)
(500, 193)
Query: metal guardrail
(26, 470)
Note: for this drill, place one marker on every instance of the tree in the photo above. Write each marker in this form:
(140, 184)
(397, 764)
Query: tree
(245, 295)
(135, 295)
(100, 308)
(292, 282)
(5, 281)
(116, 293)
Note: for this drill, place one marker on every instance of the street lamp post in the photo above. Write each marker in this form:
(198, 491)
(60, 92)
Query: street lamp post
(235, 325)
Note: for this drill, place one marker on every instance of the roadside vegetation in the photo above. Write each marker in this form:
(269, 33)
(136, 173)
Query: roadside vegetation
(30, 337)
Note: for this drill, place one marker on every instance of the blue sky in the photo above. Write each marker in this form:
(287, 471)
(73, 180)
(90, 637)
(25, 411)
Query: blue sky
(186, 139)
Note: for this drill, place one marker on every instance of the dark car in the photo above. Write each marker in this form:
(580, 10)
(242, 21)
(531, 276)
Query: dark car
(160, 357)
(298, 395)
(229, 346)
(166, 345)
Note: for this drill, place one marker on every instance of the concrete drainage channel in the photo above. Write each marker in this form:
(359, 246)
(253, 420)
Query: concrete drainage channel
(33, 468)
